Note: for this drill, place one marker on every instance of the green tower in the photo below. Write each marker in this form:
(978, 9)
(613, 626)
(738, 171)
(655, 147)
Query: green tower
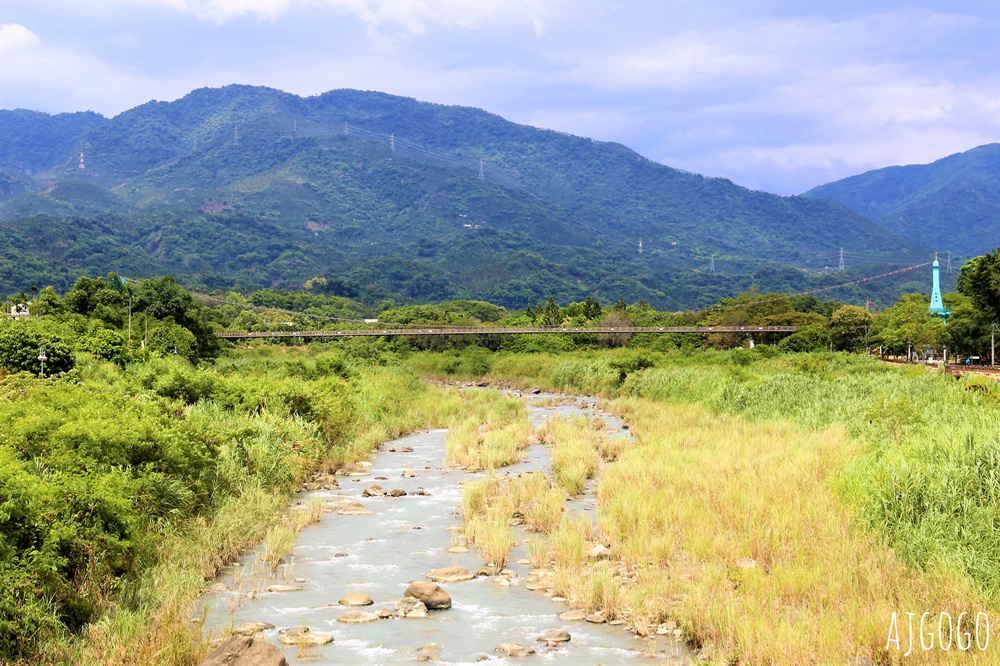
(937, 305)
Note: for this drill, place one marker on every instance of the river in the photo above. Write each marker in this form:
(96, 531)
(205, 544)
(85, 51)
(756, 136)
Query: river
(404, 539)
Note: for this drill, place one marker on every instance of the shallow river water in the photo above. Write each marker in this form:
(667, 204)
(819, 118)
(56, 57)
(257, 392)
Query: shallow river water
(404, 539)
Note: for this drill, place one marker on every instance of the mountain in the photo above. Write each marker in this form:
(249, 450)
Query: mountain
(951, 204)
(35, 142)
(389, 197)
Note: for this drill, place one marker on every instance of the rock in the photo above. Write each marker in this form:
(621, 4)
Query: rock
(219, 587)
(356, 599)
(341, 555)
(597, 618)
(383, 613)
(599, 552)
(534, 390)
(555, 636)
(411, 607)
(358, 617)
(251, 628)
(350, 469)
(245, 651)
(450, 575)
(381, 478)
(406, 449)
(745, 563)
(421, 492)
(284, 588)
(573, 615)
(514, 650)
(502, 581)
(326, 480)
(431, 594)
(523, 563)
(458, 549)
(299, 580)
(303, 636)
(397, 492)
(373, 491)
(354, 509)
(409, 474)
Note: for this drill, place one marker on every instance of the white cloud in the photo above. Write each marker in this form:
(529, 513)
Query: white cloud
(14, 38)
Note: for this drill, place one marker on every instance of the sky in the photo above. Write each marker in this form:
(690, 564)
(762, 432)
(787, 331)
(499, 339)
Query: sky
(776, 95)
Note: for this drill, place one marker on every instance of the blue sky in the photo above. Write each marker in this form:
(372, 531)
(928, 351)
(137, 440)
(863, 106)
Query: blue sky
(773, 94)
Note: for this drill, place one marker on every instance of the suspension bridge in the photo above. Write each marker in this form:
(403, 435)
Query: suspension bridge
(506, 330)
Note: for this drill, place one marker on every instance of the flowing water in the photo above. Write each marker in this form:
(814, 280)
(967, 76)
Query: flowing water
(404, 539)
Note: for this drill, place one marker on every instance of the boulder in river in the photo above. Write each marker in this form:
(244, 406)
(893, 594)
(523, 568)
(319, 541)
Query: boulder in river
(245, 651)
(357, 617)
(451, 575)
(514, 650)
(303, 636)
(411, 607)
(354, 509)
(284, 588)
(555, 636)
(573, 615)
(430, 594)
(356, 599)
(409, 474)
(251, 628)
(373, 491)
(397, 492)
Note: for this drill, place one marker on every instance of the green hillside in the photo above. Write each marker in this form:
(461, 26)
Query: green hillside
(951, 204)
(414, 201)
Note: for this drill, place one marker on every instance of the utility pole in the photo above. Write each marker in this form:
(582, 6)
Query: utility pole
(841, 266)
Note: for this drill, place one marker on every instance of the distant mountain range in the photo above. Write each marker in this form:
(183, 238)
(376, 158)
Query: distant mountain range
(391, 198)
(952, 204)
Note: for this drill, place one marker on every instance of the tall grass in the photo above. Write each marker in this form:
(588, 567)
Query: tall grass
(574, 451)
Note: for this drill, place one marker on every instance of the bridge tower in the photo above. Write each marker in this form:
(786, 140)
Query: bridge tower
(937, 305)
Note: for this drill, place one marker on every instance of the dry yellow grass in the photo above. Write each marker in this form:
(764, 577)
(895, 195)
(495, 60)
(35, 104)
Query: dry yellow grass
(574, 451)
(700, 492)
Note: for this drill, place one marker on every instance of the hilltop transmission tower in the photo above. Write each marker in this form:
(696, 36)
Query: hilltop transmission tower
(295, 127)
(711, 264)
(392, 143)
(640, 246)
(82, 165)
(236, 134)
(840, 267)
(345, 127)
(482, 175)
(948, 263)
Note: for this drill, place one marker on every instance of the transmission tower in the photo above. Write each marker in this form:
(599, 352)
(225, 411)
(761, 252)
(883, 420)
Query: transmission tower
(640, 246)
(948, 263)
(841, 266)
(392, 142)
(195, 140)
(236, 134)
(82, 165)
(295, 127)
(482, 176)
(345, 127)
(711, 264)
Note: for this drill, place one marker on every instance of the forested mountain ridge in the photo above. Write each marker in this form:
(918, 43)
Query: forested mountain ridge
(390, 197)
(951, 204)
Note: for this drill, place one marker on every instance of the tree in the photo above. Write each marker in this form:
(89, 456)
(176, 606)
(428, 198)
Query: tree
(979, 279)
(620, 305)
(591, 309)
(552, 315)
(20, 344)
(849, 327)
(908, 323)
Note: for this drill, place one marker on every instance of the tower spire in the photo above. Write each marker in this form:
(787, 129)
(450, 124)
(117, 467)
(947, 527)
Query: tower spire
(937, 305)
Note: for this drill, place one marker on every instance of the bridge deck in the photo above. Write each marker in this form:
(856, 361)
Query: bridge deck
(504, 330)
